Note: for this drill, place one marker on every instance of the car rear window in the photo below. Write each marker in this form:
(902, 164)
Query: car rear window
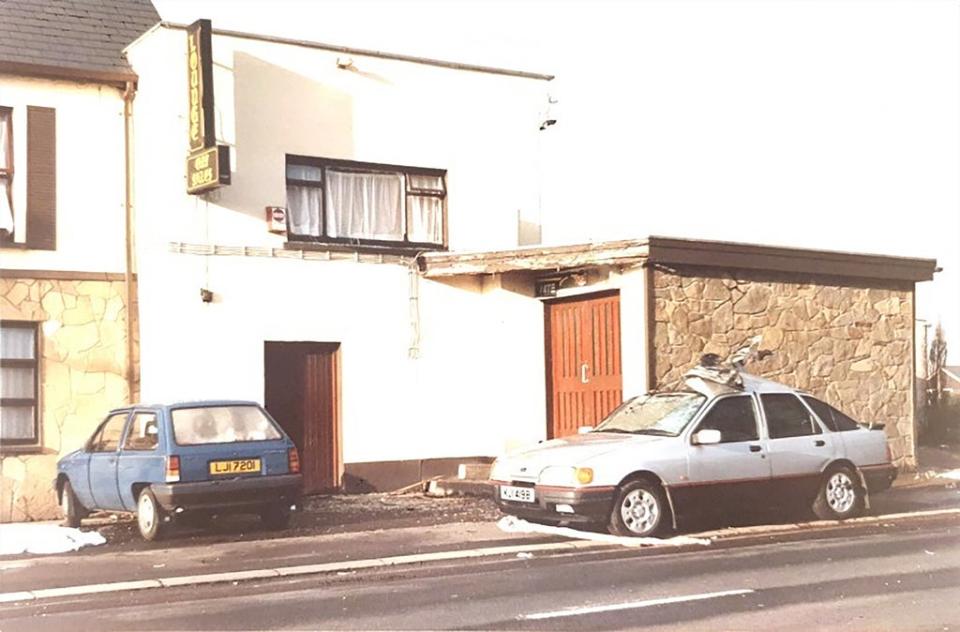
(222, 424)
(833, 418)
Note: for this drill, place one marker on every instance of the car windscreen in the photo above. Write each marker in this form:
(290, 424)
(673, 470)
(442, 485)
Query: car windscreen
(658, 414)
(222, 424)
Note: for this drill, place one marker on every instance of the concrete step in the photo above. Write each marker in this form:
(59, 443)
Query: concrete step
(450, 486)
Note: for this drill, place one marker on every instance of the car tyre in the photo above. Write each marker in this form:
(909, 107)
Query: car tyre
(639, 510)
(73, 511)
(150, 515)
(275, 517)
(841, 495)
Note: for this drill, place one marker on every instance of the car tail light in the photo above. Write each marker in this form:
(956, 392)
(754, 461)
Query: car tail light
(173, 469)
(293, 461)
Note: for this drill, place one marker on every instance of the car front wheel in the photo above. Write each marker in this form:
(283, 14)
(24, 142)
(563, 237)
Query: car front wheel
(639, 510)
(149, 515)
(73, 511)
(841, 496)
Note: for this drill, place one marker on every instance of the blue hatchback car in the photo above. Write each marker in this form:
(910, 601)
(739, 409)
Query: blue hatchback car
(182, 460)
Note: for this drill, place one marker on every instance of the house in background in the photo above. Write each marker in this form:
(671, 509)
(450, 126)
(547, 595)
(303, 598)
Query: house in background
(65, 283)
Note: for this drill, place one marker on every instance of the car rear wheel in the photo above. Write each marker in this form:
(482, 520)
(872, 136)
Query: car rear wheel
(149, 515)
(73, 511)
(841, 496)
(275, 517)
(639, 510)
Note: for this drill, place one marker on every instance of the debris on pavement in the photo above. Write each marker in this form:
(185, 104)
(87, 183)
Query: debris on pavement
(44, 538)
(512, 524)
(953, 475)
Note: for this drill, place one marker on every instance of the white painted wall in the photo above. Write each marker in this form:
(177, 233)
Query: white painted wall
(90, 174)
(478, 383)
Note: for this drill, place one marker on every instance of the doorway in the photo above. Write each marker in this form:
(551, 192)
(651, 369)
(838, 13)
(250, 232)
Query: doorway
(584, 378)
(302, 392)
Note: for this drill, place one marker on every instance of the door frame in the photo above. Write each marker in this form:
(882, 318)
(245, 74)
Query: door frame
(334, 350)
(548, 339)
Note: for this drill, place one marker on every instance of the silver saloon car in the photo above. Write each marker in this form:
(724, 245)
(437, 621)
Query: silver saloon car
(660, 455)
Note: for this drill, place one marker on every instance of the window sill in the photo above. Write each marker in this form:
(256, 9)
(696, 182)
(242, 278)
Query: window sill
(25, 450)
(399, 250)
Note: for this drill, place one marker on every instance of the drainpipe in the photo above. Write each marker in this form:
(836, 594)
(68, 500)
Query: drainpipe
(129, 94)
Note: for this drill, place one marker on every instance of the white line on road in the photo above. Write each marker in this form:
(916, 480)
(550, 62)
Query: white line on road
(647, 603)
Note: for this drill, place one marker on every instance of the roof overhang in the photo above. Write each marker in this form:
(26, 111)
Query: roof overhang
(670, 251)
(113, 78)
(533, 259)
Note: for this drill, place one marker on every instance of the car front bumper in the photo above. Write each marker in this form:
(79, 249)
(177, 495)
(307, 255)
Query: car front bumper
(233, 494)
(586, 504)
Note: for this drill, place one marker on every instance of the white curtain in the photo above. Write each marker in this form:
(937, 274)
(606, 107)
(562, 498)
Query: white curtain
(17, 343)
(16, 422)
(303, 202)
(365, 205)
(303, 210)
(426, 219)
(6, 213)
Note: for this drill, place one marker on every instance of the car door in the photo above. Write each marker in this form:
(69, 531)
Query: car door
(104, 454)
(141, 459)
(799, 448)
(736, 470)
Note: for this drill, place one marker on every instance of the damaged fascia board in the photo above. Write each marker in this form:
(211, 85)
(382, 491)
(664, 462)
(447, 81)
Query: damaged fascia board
(533, 259)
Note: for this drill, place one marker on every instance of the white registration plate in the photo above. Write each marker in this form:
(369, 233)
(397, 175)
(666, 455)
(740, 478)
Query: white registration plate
(517, 494)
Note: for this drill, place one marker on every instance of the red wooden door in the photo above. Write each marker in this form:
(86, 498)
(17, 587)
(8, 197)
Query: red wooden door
(302, 392)
(584, 379)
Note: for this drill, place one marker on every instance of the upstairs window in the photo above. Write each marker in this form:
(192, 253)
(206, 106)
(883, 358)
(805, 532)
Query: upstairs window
(6, 171)
(331, 201)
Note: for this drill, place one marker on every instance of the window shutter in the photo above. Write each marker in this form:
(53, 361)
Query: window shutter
(41, 178)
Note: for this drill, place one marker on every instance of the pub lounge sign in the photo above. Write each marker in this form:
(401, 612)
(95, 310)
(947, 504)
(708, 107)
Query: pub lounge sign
(208, 164)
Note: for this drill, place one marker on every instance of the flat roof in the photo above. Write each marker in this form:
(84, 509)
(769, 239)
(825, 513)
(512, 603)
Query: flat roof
(674, 251)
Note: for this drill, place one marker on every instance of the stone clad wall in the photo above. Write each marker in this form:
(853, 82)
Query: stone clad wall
(846, 341)
(83, 360)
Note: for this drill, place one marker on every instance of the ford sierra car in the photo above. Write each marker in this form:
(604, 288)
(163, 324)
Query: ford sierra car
(756, 444)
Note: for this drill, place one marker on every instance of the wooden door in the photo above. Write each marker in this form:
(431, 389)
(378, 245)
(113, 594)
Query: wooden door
(584, 379)
(302, 392)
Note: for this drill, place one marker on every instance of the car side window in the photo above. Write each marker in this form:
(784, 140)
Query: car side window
(108, 439)
(830, 416)
(734, 417)
(787, 416)
(143, 433)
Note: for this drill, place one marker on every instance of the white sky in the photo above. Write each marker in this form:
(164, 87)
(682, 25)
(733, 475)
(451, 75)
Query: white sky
(819, 123)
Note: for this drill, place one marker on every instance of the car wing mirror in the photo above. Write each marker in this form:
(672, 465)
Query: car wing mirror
(707, 436)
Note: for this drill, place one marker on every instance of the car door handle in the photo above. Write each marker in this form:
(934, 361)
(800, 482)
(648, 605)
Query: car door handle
(583, 373)
(819, 443)
(755, 448)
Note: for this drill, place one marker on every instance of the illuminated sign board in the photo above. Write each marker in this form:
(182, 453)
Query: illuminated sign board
(200, 80)
(208, 169)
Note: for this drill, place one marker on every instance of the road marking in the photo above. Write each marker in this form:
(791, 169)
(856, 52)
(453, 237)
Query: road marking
(647, 603)
(333, 567)
(288, 571)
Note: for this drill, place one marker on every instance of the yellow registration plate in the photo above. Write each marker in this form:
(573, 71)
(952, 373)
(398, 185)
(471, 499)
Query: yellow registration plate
(235, 466)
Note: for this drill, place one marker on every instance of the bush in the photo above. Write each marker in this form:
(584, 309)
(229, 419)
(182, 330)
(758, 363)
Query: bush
(943, 421)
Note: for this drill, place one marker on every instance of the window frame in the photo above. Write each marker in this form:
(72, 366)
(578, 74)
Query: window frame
(7, 170)
(353, 166)
(36, 442)
(93, 447)
(754, 405)
(131, 431)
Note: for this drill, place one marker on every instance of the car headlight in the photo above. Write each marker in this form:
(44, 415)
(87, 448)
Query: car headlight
(565, 476)
(499, 471)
